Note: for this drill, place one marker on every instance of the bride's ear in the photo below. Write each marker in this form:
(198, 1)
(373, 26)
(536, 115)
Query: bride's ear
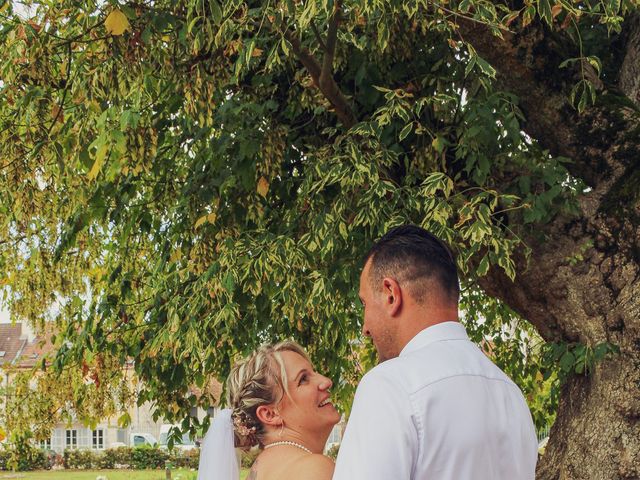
(269, 415)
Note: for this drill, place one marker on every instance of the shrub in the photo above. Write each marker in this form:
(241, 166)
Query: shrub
(119, 457)
(148, 457)
(80, 459)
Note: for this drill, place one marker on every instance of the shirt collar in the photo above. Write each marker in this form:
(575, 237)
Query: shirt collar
(435, 333)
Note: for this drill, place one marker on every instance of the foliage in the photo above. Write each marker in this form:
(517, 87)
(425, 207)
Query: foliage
(20, 455)
(185, 180)
(561, 360)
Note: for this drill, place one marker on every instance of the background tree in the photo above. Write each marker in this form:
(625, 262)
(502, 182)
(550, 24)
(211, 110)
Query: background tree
(186, 179)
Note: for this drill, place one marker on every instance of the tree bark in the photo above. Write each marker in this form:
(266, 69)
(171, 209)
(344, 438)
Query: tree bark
(595, 298)
(629, 79)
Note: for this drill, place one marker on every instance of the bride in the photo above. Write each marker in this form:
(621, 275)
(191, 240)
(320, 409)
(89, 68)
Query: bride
(278, 402)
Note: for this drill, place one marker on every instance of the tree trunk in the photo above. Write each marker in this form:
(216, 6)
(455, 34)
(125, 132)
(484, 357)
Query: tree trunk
(597, 433)
(597, 299)
(582, 281)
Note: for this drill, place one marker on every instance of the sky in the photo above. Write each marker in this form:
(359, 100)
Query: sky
(4, 315)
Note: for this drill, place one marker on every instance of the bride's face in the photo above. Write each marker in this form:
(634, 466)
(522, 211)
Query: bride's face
(308, 407)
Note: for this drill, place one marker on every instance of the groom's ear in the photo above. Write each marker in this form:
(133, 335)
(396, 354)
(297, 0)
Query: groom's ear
(269, 415)
(392, 296)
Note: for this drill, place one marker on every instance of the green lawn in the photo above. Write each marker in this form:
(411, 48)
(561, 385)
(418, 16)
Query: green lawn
(180, 474)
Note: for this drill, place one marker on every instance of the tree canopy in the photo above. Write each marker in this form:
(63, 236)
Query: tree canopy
(184, 180)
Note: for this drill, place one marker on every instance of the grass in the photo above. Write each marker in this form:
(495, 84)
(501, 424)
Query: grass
(179, 474)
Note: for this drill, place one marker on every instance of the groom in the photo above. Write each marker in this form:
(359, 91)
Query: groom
(435, 407)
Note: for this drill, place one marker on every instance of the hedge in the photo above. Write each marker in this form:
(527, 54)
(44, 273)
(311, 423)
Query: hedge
(139, 458)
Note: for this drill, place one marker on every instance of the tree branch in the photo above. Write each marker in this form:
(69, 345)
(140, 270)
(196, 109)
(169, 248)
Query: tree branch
(326, 76)
(314, 28)
(322, 75)
(329, 88)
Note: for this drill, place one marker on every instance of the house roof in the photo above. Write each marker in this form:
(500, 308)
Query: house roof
(34, 351)
(213, 389)
(18, 351)
(11, 343)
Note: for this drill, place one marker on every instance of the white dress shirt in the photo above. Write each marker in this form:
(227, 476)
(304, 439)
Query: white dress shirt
(441, 410)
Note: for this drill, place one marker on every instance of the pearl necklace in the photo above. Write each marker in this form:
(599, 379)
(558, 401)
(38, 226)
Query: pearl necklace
(286, 442)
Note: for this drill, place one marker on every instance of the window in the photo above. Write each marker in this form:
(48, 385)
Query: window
(45, 444)
(121, 435)
(71, 440)
(138, 440)
(98, 439)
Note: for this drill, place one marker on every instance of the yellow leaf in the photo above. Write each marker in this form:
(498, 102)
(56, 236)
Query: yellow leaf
(101, 155)
(256, 52)
(201, 220)
(438, 144)
(211, 217)
(263, 186)
(2, 435)
(176, 255)
(56, 113)
(116, 23)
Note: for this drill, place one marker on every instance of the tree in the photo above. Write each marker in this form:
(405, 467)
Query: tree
(186, 179)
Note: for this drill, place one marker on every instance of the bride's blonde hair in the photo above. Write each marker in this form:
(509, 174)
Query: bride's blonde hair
(259, 379)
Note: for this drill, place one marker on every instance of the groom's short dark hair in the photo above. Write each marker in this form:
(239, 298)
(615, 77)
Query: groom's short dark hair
(415, 258)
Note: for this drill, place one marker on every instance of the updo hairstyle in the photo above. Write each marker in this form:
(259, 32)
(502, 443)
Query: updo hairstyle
(259, 379)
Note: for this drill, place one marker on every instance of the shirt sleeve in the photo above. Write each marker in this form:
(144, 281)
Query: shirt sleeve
(380, 441)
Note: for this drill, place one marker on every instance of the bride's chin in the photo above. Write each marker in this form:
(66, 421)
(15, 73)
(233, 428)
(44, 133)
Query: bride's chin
(336, 419)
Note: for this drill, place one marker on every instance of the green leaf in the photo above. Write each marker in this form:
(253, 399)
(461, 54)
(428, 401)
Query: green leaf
(216, 11)
(595, 63)
(544, 10)
(438, 143)
(483, 266)
(124, 420)
(485, 67)
(566, 361)
(405, 131)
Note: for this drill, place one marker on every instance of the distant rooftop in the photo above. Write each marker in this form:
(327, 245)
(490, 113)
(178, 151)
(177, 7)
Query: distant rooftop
(15, 348)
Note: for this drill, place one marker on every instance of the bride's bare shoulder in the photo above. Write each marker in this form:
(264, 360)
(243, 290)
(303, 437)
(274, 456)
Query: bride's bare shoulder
(315, 467)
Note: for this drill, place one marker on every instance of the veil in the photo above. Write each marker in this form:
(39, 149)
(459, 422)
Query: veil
(218, 459)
